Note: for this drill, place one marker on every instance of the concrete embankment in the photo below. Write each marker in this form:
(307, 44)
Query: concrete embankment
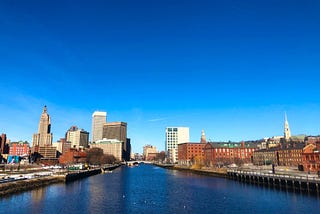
(207, 172)
(81, 174)
(29, 184)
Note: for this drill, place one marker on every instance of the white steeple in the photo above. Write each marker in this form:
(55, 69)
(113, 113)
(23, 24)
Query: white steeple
(287, 133)
(203, 137)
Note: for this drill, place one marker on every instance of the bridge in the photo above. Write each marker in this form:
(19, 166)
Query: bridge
(131, 163)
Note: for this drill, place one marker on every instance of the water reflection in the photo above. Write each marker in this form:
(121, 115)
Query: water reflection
(37, 195)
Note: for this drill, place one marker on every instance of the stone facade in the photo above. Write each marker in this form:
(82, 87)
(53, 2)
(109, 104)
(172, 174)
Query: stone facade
(110, 147)
(147, 150)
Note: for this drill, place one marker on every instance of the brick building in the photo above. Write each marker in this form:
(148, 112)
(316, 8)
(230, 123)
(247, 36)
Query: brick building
(189, 153)
(224, 153)
(287, 155)
(311, 158)
(291, 155)
(73, 156)
(265, 156)
(19, 148)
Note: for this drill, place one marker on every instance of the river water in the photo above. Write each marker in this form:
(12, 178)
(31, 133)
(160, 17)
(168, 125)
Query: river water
(150, 189)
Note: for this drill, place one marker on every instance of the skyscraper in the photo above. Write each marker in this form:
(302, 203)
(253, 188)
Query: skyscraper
(115, 130)
(287, 133)
(42, 141)
(77, 137)
(99, 118)
(118, 130)
(43, 137)
(175, 136)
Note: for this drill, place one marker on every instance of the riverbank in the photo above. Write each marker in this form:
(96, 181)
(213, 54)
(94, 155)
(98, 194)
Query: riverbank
(217, 172)
(18, 186)
(28, 184)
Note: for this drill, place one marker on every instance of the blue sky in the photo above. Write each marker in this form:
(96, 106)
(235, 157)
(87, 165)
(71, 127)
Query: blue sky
(231, 68)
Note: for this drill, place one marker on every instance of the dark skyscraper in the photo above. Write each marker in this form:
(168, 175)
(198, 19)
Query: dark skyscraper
(118, 130)
(115, 130)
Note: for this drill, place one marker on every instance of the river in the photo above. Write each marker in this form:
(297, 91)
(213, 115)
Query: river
(150, 189)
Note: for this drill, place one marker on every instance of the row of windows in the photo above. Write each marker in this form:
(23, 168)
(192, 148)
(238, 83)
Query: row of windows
(312, 158)
(292, 155)
(227, 150)
(289, 160)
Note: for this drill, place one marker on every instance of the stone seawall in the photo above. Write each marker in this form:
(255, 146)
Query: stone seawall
(81, 174)
(29, 184)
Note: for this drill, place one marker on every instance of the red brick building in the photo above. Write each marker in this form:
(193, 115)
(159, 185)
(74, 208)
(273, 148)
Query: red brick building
(223, 153)
(290, 155)
(19, 148)
(73, 156)
(188, 153)
(311, 158)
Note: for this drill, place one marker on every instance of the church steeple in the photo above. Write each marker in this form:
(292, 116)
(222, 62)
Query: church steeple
(203, 137)
(287, 133)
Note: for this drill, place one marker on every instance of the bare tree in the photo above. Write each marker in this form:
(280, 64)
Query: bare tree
(107, 159)
(94, 156)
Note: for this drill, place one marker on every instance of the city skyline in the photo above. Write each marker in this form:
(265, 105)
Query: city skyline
(229, 68)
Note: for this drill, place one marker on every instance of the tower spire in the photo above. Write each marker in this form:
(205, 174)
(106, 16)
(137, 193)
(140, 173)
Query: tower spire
(287, 133)
(45, 109)
(203, 137)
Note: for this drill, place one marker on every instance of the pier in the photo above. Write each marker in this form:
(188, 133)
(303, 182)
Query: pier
(303, 183)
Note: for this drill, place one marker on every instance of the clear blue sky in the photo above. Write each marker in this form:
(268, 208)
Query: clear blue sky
(231, 68)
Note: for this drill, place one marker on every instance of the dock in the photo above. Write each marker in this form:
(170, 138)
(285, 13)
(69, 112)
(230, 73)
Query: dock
(302, 183)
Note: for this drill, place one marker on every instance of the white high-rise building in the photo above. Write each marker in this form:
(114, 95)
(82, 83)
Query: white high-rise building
(175, 136)
(99, 118)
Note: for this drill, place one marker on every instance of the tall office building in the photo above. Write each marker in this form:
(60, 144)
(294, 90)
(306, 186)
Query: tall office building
(99, 118)
(115, 130)
(78, 138)
(175, 136)
(42, 141)
(287, 133)
(110, 147)
(43, 137)
(118, 130)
